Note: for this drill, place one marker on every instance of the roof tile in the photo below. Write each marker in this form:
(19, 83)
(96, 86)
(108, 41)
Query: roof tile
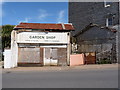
(44, 26)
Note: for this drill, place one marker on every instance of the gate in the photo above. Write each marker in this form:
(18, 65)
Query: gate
(90, 58)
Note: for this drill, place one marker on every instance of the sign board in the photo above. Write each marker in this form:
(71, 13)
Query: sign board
(42, 37)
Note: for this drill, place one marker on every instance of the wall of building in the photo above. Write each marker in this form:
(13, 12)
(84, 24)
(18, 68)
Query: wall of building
(82, 14)
(96, 35)
(118, 48)
(104, 45)
(42, 51)
(14, 49)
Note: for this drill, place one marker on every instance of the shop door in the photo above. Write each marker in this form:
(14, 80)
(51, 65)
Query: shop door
(30, 55)
(51, 57)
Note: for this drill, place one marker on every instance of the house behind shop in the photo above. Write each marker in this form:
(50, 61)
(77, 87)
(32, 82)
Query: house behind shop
(94, 33)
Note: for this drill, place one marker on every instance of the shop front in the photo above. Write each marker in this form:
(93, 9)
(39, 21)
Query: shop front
(43, 48)
(40, 47)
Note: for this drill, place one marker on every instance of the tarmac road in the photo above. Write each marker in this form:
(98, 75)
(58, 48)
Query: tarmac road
(74, 78)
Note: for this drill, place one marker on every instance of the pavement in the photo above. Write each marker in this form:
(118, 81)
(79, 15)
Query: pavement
(1, 64)
(85, 76)
(62, 68)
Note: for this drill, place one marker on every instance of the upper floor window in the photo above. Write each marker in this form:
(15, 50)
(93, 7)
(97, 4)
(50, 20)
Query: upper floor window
(107, 4)
(109, 21)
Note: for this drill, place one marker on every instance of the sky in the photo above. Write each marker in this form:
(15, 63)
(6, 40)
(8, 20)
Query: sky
(34, 12)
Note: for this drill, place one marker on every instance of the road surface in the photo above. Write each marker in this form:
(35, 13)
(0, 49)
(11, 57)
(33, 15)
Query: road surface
(70, 78)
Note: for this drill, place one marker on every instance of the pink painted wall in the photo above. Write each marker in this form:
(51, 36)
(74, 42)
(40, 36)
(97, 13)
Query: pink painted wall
(76, 59)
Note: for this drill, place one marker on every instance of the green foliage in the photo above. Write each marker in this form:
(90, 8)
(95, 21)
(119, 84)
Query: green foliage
(73, 40)
(6, 35)
(104, 61)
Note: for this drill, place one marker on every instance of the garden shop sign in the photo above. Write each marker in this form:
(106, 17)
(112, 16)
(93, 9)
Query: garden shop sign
(42, 37)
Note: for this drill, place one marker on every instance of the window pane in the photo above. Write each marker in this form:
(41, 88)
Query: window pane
(110, 21)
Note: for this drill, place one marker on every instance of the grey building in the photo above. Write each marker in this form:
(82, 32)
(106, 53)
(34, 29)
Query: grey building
(94, 28)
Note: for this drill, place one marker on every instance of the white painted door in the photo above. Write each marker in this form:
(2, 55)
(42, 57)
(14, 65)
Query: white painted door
(50, 56)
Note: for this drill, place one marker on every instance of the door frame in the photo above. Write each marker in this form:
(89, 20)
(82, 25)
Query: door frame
(51, 46)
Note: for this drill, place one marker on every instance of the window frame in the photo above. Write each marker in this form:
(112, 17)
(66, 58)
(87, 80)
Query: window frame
(107, 4)
(108, 22)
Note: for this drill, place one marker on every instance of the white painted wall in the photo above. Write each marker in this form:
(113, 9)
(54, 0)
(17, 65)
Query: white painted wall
(14, 49)
(23, 37)
(11, 56)
(68, 49)
(7, 59)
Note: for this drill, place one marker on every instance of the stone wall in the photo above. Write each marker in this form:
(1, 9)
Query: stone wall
(101, 41)
(82, 14)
